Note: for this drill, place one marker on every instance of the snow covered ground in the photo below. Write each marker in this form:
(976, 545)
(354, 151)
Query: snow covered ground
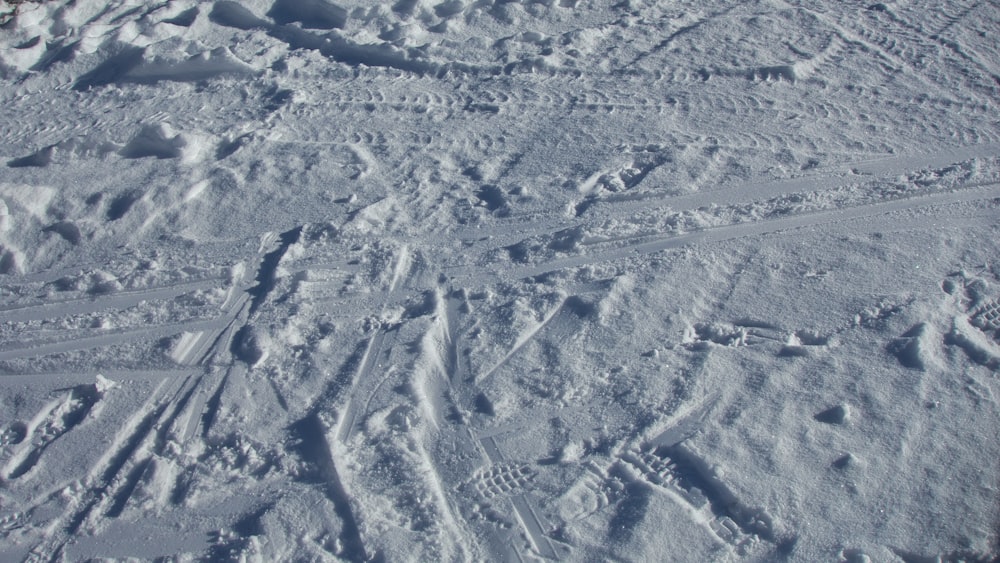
(459, 280)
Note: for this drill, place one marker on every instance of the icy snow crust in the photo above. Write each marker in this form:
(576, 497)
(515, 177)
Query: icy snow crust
(475, 280)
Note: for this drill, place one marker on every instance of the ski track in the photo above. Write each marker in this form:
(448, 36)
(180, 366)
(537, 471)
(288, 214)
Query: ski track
(652, 244)
(621, 206)
(459, 391)
(113, 492)
(119, 476)
(122, 300)
(731, 527)
(178, 407)
(437, 142)
(365, 382)
(112, 337)
(102, 482)
(522, 341)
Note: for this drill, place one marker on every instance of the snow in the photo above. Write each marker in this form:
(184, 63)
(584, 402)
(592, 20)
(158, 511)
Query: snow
(479, 280)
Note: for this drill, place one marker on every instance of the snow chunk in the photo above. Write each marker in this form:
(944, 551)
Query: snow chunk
(104, 384)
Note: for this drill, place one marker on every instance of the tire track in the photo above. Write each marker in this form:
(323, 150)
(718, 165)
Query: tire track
(917, 32)
(665, 43)
(950, 20)
(516, 93)
(893, 47)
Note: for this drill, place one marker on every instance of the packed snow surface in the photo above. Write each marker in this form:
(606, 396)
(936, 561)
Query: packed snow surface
(481, 280)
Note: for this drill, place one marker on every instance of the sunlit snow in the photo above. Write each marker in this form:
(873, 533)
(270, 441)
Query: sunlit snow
(487, 280)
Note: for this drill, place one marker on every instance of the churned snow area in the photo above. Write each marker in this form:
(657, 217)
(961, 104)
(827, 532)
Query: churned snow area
(486, 280)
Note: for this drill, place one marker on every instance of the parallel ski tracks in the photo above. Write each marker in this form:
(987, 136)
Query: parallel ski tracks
(56, 308)
(623, 206)
(818, 219)
(617, 205)
(177, 408)
(182, 403)
(186, 400)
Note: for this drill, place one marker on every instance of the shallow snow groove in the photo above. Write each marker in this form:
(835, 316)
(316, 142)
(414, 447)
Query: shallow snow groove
(448, 281)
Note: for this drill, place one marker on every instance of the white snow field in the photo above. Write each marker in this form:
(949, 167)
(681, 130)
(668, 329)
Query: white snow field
(487, 280)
